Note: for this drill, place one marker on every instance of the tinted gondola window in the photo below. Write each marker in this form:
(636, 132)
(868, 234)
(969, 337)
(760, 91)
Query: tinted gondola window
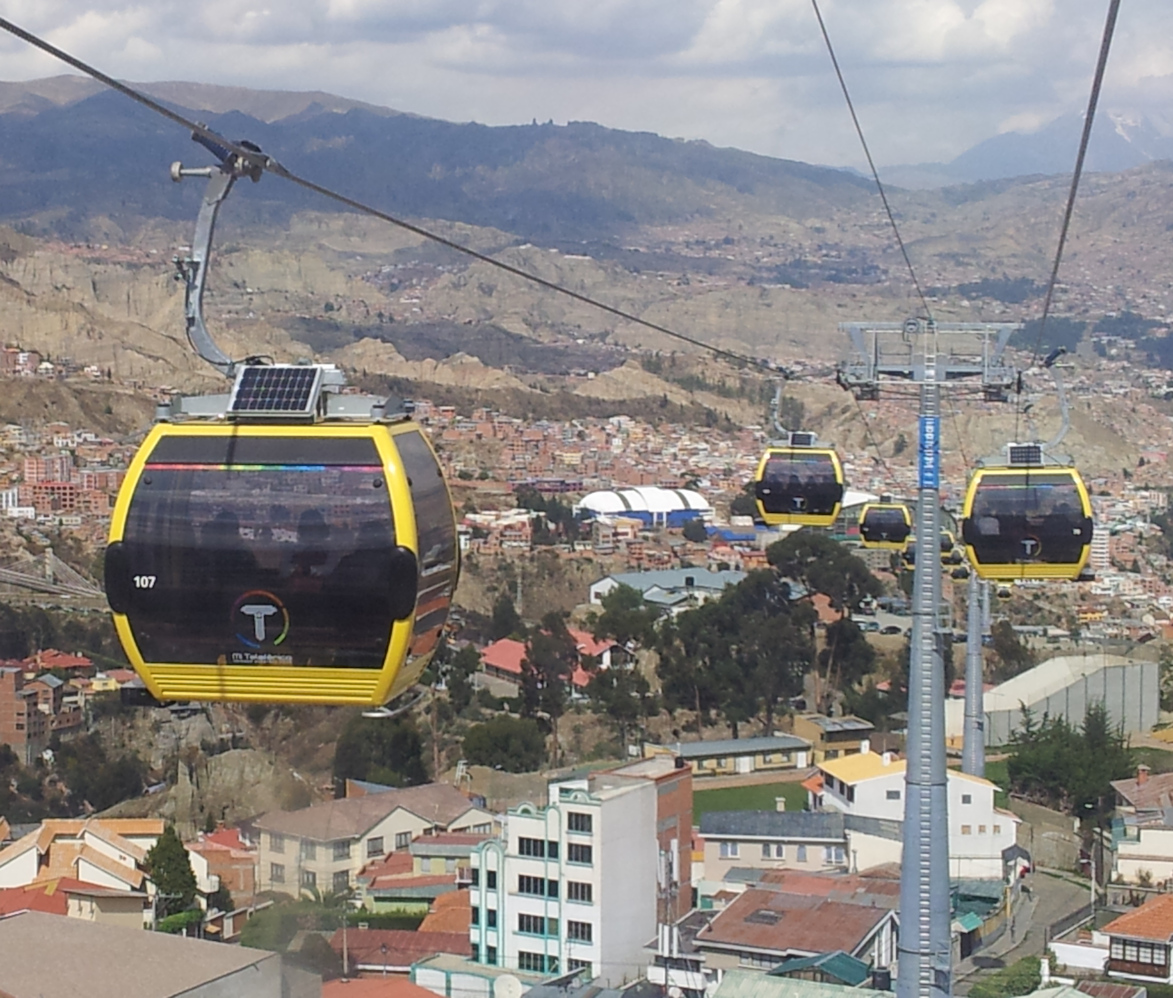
(261, 551)
(436, 528)
(885, 525)
(800, 483)
(1028, 517)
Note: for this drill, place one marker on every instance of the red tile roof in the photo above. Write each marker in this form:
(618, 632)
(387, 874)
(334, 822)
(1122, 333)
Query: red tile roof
(51, 658)
(365, 946)
(48, 896)
(228, 838)
(450, 912)
(782, 923)
(391, 986)
(505, 655)
(1152, 920)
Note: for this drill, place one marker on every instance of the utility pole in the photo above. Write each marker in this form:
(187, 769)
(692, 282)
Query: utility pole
(973, 751)
(910, 352)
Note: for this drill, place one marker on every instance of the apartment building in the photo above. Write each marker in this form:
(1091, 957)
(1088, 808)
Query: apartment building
(323, 847)
(23, 726)
(541, 902)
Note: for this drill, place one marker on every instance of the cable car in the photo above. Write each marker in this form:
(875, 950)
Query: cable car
(282, 563)
(885, 525)
(799, 484)
(1027, 520)
(286, 542)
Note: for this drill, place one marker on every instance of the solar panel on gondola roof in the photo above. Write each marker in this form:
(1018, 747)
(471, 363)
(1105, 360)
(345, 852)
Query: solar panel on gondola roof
(275, 390)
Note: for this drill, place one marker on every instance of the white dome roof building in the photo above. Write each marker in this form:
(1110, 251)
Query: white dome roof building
(651, 504)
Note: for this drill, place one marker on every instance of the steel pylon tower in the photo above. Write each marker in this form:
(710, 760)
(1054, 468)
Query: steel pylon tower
(931, 355)
(973, 749)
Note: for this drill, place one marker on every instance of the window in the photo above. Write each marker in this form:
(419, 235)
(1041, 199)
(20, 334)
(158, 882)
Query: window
(276, 842)
(573, 964)
(402, 840)
(474, 915)
(966, 829)
(491, 955)
(578, 931)
(491, 918)
(533, 925)
(475, 876)
(779, 850)
(277, 873)
(767, 851)
(892, 795)
(375, 848)
(309, 849)
(1117, 949)
(576, 890)
(576, 852)
(342, 849)
(577, 822)
(997, 829)
(491, 879)
(309, 879)
(851, 795)
(341, 882)
(981, 829)
(1131, 950)
(531, 847)
(833, 854)
(801, 854)
(730, 850)
(967, 798)
(538, 962)
(537, 886)
(552, 852)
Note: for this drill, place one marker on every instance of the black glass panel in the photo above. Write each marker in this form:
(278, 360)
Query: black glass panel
(436, 527)
(799, 483)
(1035, 517)
(261, 563)
(885, 525)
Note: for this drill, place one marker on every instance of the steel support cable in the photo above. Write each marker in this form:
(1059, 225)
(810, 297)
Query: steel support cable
(1085, 138)
(867, 153)
(270, 165)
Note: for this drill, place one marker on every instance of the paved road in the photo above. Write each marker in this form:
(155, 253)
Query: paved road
(1052, 898)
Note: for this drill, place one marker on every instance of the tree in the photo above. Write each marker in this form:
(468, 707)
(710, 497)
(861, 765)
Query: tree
(694, 530)
(823, 565)
(551, 656)
(169, 867)
(458, 674)
(625, 617)
(624, 696)
(846, 656)
(514, 744)
(1014, 656)
(506, 620)
(383, 750)
(745, 504)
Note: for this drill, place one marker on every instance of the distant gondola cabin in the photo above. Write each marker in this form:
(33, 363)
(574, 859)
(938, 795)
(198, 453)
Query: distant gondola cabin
(800, 486)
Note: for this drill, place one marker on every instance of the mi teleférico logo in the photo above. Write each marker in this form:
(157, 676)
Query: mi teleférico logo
(259, 619)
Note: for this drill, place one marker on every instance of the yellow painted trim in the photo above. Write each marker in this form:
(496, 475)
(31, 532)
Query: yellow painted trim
(799, 520)
(281, 684)
(1012, 572)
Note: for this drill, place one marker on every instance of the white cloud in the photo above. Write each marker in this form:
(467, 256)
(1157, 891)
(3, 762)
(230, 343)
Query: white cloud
(929, 77)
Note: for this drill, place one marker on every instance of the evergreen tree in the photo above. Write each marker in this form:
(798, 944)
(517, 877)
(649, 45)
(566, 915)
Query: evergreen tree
(169, 867)
(384, 750)
(506, 620)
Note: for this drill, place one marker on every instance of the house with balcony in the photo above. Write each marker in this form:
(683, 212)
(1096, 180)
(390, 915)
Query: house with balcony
(1139, 942)
(324, 847)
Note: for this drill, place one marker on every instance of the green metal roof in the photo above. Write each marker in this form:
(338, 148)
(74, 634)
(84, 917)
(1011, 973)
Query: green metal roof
(967, 921)
(842, 966)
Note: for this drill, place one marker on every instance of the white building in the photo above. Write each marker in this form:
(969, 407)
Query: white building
(872, 786)
(540, 900)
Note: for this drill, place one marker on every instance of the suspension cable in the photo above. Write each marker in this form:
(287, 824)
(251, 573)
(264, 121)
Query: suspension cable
(1085, 138)
(871, 163)
(260, 161)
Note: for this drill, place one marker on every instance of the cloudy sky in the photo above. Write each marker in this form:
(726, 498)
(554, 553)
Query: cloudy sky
(930, 77)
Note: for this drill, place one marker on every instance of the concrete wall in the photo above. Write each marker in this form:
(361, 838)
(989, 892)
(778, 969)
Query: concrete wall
(259, 980)
(1129, 693)
(1049, 836)
(626, 848)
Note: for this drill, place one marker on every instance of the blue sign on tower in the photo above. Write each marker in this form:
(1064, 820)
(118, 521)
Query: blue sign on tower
(930, 452)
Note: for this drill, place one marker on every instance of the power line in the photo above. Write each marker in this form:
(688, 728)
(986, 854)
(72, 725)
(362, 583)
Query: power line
(871, 163)
(258, 161)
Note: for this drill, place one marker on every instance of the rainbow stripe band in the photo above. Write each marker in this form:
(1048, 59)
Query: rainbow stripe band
(264, 467)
